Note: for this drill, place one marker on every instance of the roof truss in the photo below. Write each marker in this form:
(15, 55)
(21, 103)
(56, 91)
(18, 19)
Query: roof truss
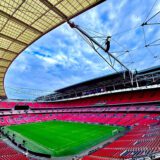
(8, 51)
(12, 39)
(19, 22)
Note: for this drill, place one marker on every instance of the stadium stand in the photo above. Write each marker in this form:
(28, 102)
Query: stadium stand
(142, 119)
(8, 153)
(131, 97)
(137, 110)
(142, 140)
(121, 119)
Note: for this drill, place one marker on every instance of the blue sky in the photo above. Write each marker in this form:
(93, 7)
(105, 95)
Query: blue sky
(62, 57)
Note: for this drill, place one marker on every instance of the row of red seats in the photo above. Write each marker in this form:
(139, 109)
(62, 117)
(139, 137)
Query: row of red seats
(8, 153)
(110, 118)
(103, 118)
(135, 140)
(24, 118)
(134, 144)
(139, 108)
(116, 98)
(125, 108)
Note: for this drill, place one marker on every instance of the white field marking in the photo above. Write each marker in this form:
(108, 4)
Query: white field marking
(67, 146)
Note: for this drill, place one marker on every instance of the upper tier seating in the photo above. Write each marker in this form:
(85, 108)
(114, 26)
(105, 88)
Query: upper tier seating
(109, 99)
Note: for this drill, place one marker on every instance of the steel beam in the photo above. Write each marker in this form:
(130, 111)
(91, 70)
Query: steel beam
(54, 9)
(72, 25)
(2, 72)
(12, 39)
(5, 60)
(62, 15)
(8, 51)
(3, 67)
(6, 15)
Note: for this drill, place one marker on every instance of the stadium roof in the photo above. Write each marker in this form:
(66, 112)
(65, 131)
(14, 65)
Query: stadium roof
(152, 69)
(24, 21)
(111, 82)
(105, 79)
(93, 82)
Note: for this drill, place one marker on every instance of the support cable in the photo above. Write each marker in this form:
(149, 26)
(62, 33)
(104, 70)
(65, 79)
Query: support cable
(154, 41)
(152, 17)
(152, 24)
(150, 10)
(146, 23)
(153, 45)
(93, 47)
(144, 36)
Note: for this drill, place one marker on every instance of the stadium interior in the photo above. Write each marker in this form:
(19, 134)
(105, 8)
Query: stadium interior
(135, 108)
(114, 117)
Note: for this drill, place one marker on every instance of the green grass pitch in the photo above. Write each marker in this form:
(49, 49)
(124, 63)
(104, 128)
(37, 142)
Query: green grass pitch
(59, 138)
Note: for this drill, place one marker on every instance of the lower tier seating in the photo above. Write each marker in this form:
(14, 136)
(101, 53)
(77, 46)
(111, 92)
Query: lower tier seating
(140, 141)
(121, 119)
(8, 153)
